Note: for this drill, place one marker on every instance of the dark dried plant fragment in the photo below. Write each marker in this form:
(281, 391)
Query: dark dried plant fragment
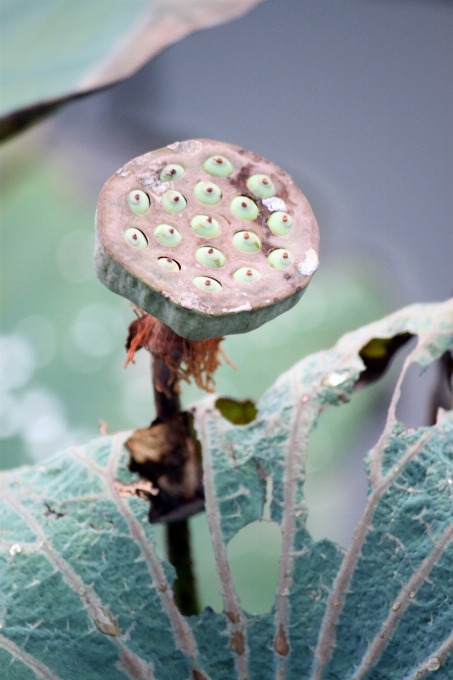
(185, 359)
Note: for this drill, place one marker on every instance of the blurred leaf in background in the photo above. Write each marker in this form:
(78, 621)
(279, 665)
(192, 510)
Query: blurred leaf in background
(57, 50)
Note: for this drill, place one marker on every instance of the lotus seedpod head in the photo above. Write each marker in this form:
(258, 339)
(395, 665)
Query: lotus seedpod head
(207, 237)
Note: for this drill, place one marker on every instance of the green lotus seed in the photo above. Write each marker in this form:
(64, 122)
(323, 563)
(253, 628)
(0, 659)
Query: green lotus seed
(170, 172)
(280, 258)
(246, 275)
(168, 264)
(207, 193)
(218, 166)
(244, 207)
(136, 238)
(261, 185)
(246, 241)
(206, 283)
(280, 223)
(206, 226)
(138, 201)
(173, 201)
(211, 257)
(167, 235)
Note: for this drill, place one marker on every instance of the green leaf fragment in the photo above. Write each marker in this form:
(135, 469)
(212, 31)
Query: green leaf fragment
(84, 594)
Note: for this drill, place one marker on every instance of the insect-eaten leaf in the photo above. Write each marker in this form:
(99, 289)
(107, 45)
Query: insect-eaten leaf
(382, 608)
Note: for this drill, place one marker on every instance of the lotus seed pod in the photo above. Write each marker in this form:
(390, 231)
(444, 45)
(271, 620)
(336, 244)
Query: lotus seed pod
(227, 268)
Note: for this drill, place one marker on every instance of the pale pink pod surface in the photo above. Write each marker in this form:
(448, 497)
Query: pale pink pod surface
(216, 184)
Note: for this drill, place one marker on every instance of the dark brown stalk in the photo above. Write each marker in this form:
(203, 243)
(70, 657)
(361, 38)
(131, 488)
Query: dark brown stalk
(177, 533)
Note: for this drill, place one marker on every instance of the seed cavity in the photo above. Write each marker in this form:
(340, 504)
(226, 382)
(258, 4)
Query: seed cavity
(261, 185)
(279, 258)
(207, 193)
(167, 235)
(211, 257)
(218, 166)
(138, 201)
(170, 172)
(169, 264)
(247, 241)
(136, 238)
(244, 207)
(206, 226)
(246, 275)
(207, 284)
(173, 201)
(280, 223)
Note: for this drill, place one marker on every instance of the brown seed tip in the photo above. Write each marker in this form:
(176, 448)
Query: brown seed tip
(249, 272)
(219, 160)
(265, 180)
(169, 259)
(244, 204)
(207, 282)
(176, 199)
(246, 235)
(171, 230)
(209, 189)
(285, 255)
(209, 220)
(211, 250)
(285, 218)
(134, 236)
(172, 171)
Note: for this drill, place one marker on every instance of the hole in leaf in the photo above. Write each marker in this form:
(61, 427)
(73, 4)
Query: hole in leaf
(377, 355)
(422, 393)
(253, 555)
(237, 412)
(336, 483)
